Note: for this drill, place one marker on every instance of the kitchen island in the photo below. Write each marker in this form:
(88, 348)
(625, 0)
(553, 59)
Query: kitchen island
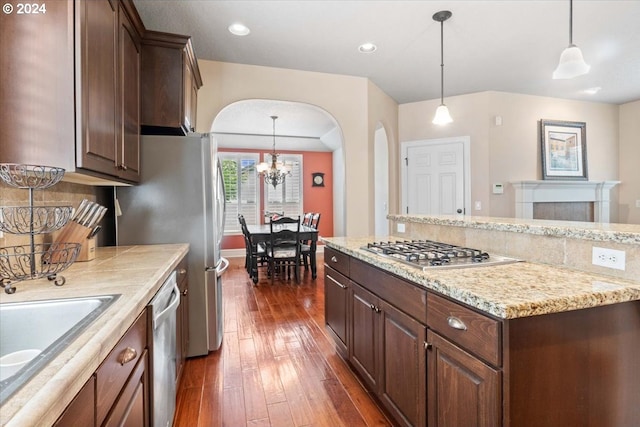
(135, 273)
(521, 344)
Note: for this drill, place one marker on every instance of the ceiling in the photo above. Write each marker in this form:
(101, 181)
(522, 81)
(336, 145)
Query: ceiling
(503, 45)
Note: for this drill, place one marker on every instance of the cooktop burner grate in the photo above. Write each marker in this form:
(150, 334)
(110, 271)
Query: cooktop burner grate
(429, 254)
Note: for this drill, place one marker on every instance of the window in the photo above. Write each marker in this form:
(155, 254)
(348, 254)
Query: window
(241, 188)
(287, 197)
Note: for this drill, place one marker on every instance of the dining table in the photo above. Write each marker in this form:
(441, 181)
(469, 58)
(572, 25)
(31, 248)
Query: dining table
(261, 233)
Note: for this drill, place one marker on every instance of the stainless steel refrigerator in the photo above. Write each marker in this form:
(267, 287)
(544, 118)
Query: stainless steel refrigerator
(181, 200)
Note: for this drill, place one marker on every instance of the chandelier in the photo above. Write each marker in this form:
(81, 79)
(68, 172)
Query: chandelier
(275, 172)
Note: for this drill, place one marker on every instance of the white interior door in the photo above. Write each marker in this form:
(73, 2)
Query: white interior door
(434, 177)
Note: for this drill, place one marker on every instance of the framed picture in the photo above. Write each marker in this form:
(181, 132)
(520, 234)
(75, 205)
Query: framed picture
(564, 150)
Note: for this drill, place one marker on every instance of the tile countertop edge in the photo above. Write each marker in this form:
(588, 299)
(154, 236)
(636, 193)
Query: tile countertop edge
(600, 232)
(43, 399)
(628, 291)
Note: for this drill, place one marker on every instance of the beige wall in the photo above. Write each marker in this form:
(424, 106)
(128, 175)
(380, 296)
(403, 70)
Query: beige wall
(346, 98)
(629, 162)
(469, 119)
(511, 152)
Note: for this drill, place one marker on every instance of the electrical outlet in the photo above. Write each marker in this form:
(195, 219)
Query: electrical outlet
(609, 258)
(400, 228)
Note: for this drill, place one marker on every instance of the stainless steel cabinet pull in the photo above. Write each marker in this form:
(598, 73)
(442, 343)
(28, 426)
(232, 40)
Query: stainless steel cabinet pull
(334, 259)
(182, 271)
(127, 355)
(377, 309)
(427, 345)
(336, 282)
(185, 292)
(456, 323)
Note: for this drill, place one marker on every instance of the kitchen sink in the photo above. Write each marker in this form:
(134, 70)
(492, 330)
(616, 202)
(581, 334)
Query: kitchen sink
(33, 333)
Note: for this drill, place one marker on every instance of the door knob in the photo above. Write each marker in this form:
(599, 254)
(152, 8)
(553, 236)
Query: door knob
(459, 211)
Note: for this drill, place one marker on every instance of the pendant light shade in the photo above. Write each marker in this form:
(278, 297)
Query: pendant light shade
(275, 172)
(571, 61)
(571, 64)
(442, 116)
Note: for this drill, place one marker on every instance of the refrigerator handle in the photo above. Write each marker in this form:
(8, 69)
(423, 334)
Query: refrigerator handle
(220, 269)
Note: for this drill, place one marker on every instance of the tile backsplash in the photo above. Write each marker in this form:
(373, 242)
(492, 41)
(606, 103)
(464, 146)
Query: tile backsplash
(61, 194)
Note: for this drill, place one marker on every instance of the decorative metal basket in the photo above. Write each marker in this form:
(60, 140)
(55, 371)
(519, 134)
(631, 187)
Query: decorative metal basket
(30, 176)
(27, 262)
(33, 219)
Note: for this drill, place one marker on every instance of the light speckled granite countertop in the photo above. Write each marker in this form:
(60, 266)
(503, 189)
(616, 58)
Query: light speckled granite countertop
(595, 231)
(505, 291)
(135, 272)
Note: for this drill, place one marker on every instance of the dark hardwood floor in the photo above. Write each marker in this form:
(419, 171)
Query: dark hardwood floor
(277, 367)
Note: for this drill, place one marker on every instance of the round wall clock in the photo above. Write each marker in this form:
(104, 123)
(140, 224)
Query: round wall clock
(318, 179)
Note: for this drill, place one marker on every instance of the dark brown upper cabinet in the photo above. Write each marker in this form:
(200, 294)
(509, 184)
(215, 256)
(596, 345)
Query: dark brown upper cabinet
(70, 90)
(170, 84)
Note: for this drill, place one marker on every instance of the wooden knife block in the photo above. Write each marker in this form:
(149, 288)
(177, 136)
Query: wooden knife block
(73, 232)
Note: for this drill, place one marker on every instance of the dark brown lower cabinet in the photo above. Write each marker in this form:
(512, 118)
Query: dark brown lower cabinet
(82, 409)
(182, 320)
(130, 410)
(336, 287)
(573, 368)
(364, 347)
(117, 394)
(463, 391)
(387, 350)
(403, 382)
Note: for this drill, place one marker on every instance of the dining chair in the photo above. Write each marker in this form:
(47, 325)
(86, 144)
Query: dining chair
(283, 251)
(306, 219)
(255, 253)
(305, 247)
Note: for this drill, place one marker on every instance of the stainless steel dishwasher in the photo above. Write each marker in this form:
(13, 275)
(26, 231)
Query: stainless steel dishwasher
(163, 309)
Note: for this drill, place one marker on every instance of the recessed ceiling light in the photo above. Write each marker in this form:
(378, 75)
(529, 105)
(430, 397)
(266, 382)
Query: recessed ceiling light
(367, 47)
(239, 29)
(592, 90)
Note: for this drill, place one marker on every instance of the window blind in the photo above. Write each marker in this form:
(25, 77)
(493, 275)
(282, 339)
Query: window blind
(241, 188)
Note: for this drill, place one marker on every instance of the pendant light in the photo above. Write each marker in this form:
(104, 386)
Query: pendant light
(571, 61)
(275, 172)
(442, 116)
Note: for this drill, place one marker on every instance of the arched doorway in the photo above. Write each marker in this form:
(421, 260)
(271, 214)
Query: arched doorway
(381, 181)
(246, 127)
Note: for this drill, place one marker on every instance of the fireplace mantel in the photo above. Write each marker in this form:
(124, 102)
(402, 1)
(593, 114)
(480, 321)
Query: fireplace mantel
(530, 192)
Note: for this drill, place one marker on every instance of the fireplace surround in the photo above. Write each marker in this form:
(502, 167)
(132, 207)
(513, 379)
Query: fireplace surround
(529, 192)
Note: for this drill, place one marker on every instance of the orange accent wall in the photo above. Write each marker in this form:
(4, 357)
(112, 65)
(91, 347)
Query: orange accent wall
(315, 199)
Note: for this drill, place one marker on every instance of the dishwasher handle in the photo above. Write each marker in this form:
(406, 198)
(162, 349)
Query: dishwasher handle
(171, 308)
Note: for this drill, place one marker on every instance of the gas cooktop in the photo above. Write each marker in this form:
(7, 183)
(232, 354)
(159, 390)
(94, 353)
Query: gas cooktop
(427, 254)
